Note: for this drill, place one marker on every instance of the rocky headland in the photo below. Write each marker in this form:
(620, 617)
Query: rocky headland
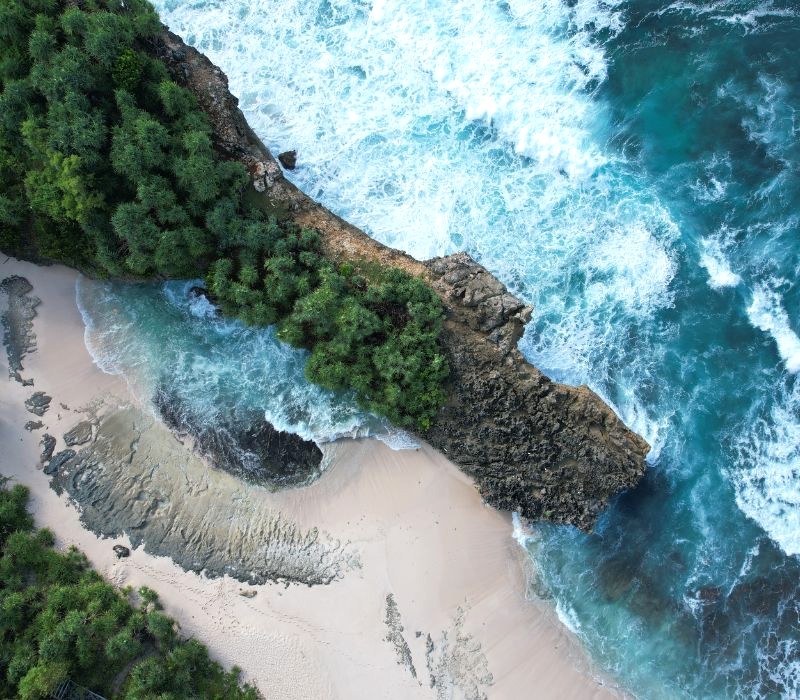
(533, 445)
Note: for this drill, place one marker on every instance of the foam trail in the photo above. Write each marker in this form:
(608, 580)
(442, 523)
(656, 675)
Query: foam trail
(719, 270)
(766, 312)
(767, 473)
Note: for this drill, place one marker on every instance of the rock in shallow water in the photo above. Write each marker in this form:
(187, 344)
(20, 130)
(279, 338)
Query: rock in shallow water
(288, 159)
(244, 444)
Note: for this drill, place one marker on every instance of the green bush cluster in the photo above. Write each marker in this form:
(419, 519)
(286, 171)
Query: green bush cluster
(59, 620)
(371, 330)
(109, 166)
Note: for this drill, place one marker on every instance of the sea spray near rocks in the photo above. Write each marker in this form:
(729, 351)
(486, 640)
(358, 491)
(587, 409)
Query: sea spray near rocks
(165, 336)
(568, 432)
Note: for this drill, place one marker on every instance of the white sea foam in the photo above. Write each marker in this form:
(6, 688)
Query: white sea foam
(716, 264)
(767, 473)
(767, 313)
(520, 530)
(214, 363)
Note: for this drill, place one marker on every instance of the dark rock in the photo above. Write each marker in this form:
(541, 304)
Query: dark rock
(243, 443)
(544, 449)
(197, 291)
(395, 636)
(31, 425)
(59, 460)
(17, 321)
(48, 443)
(288, 159)
(38, 403)
(121, 551)
(79, 435)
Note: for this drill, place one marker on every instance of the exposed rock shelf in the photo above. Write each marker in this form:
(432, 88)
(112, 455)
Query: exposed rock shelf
(545, 449)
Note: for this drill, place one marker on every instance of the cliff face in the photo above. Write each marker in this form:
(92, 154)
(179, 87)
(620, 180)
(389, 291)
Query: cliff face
(546, 449)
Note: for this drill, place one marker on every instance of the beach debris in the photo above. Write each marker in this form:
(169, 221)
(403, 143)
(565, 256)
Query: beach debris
(458, 662)
(248, 594)
(121, 551)
(48, 443)
(429, 649)
(288, 159)
(38, 403)
(58, 461)
(31, 425)
(17, 322)
(395, 635)
(79, 435)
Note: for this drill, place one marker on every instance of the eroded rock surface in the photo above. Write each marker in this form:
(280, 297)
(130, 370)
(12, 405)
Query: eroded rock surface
(135, 478)
(38, 403)
(533, 445)
(456, 663)
(17, 321)
(79, 435)
(394, 635)
(48, 444)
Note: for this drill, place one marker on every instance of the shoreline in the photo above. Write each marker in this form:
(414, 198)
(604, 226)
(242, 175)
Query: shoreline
(429, 556)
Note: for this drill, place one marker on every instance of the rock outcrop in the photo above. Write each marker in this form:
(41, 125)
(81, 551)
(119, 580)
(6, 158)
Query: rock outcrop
(545, 449)
(246, 445)
(17, 322)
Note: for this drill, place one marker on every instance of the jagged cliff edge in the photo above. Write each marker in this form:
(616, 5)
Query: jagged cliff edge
(544, 449)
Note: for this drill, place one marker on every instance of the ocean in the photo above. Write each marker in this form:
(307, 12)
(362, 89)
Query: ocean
(630, 168)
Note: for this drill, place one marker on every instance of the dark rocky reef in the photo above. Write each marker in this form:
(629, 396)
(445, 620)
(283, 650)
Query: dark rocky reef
(545, 449)
(133, 478)
(244, 444)
(17, 322)
(38, 403)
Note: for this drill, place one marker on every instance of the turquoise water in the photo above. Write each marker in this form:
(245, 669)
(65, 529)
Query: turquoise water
(161, 337)
(631, 169)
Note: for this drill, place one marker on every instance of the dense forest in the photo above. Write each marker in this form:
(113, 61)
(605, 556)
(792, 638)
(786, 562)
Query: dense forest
(60, 621)
(109, 166)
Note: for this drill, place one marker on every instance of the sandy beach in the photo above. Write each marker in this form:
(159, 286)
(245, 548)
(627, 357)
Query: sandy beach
(427, 595)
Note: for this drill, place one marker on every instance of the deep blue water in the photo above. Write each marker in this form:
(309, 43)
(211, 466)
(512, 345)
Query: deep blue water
(631, 169)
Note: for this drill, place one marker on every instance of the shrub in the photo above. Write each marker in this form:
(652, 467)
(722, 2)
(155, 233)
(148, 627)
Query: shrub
(59, 620)
(107, 165)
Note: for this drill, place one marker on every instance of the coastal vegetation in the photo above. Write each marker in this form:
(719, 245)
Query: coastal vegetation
(59, 621)
(108, 165)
